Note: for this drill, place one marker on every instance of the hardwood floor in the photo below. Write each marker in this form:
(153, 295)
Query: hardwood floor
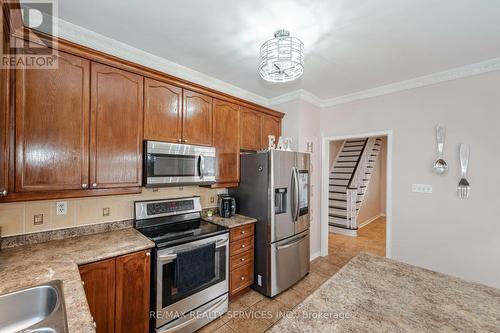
(255, 313)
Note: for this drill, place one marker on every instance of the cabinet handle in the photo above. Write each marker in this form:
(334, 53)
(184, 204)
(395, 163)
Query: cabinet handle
(148, 254)
(95, 325)
(179, 140)
(185, 141)
(83, 283)
(94, 185)
(242, 246)
(242, 259)
(242, 278)
(242, 232)
(3, 193)
(84, 185)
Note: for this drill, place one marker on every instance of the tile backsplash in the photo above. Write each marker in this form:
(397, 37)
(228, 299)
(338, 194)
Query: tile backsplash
(19, 218)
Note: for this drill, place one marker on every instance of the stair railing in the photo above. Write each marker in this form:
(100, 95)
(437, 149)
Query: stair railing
(356, 180)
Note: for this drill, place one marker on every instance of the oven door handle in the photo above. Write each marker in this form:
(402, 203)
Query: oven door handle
(189, 321)
(173, 256)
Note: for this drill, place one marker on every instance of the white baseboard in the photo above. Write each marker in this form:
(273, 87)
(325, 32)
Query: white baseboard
(365, 223)
(315, 255)
(342, 231)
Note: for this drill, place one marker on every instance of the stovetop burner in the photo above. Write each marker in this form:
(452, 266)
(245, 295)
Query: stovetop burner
(180, 232)
(173, 221)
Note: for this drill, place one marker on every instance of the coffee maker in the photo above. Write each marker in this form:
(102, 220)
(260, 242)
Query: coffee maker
(227, 205)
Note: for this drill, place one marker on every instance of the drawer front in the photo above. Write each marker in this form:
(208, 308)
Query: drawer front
(238, 233)
(241, 278)
(241, 246)
(241, 259)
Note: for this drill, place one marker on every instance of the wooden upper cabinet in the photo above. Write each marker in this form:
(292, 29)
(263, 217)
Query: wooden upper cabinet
(250, 129)
(99, 284)
(197, 119)
(270, 126)
(4, 125)
(52, 126)
(132, 292)
(226, 143)
(116, 127)
(162, 111)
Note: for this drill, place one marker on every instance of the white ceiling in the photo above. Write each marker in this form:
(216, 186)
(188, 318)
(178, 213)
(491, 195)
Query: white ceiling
(351, 45)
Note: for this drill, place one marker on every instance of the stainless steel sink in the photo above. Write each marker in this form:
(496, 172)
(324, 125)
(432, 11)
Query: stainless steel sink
(38, 309)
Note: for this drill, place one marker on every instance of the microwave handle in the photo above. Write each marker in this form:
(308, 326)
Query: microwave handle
(202, 166)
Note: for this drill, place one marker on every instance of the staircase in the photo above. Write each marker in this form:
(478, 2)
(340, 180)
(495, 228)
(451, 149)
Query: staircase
(349, 179)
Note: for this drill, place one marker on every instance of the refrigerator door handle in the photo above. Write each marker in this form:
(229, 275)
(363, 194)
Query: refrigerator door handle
(295, 194)
(292, 243)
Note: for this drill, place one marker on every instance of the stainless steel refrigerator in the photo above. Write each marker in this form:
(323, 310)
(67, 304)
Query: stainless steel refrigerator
(274, 189)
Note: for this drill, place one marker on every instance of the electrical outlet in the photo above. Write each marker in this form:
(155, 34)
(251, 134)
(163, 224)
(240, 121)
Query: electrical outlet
(61, 208)
(421, 188)
(155, 189)
(105, 211)
(38, 219)
(212, 199)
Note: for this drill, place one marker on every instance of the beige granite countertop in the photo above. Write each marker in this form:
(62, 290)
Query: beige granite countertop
(234, 221)
(375, 294)
(29, 265)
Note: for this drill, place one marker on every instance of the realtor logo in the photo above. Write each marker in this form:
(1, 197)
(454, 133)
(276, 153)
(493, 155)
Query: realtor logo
(31, 47)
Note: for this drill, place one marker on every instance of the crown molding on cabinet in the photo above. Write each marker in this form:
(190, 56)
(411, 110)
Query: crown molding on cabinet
(91, 39)
(79, 35)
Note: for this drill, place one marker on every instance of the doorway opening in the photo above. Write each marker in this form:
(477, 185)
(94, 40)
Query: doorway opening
(356, 195)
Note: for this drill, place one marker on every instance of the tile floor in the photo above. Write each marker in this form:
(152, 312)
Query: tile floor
(255, 313)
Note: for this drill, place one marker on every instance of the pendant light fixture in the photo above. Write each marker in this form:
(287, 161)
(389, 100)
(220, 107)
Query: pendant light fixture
(281, 58)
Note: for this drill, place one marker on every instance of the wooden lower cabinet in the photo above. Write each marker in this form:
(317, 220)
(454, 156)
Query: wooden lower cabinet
(241, 253)
(99, 284)
(132, 292)
(117, 292)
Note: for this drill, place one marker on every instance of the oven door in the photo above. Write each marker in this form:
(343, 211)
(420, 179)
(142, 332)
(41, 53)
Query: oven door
(177, 164)
(170, 303)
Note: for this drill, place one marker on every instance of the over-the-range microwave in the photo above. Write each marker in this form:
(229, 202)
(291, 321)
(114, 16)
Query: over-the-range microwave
(173, 164)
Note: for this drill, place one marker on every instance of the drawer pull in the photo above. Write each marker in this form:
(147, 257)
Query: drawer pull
(242, 246)
(242, 232)
(242, 278)
(242, 259)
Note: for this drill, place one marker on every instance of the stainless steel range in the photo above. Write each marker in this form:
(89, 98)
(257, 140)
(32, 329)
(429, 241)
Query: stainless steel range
(190, 264)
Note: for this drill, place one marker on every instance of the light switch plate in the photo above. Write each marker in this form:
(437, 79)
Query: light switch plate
(61, 208)
(421, 188)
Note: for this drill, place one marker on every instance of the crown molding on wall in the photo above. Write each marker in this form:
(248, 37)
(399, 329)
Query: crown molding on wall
(91, 39)
(422, 81)
(79, 35)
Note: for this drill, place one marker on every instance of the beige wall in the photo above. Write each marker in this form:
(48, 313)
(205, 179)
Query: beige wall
(335, 147)
(373, 204)
(438, 231)
(17, 218)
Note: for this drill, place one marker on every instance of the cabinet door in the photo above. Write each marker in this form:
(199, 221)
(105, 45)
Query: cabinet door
(52, 126)
(250, 127)
(99, 284)
(162, 111)
(132, 292)
(270, 126)
(4, 125)
(197, 119)
(226, 142)
(116, 127)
